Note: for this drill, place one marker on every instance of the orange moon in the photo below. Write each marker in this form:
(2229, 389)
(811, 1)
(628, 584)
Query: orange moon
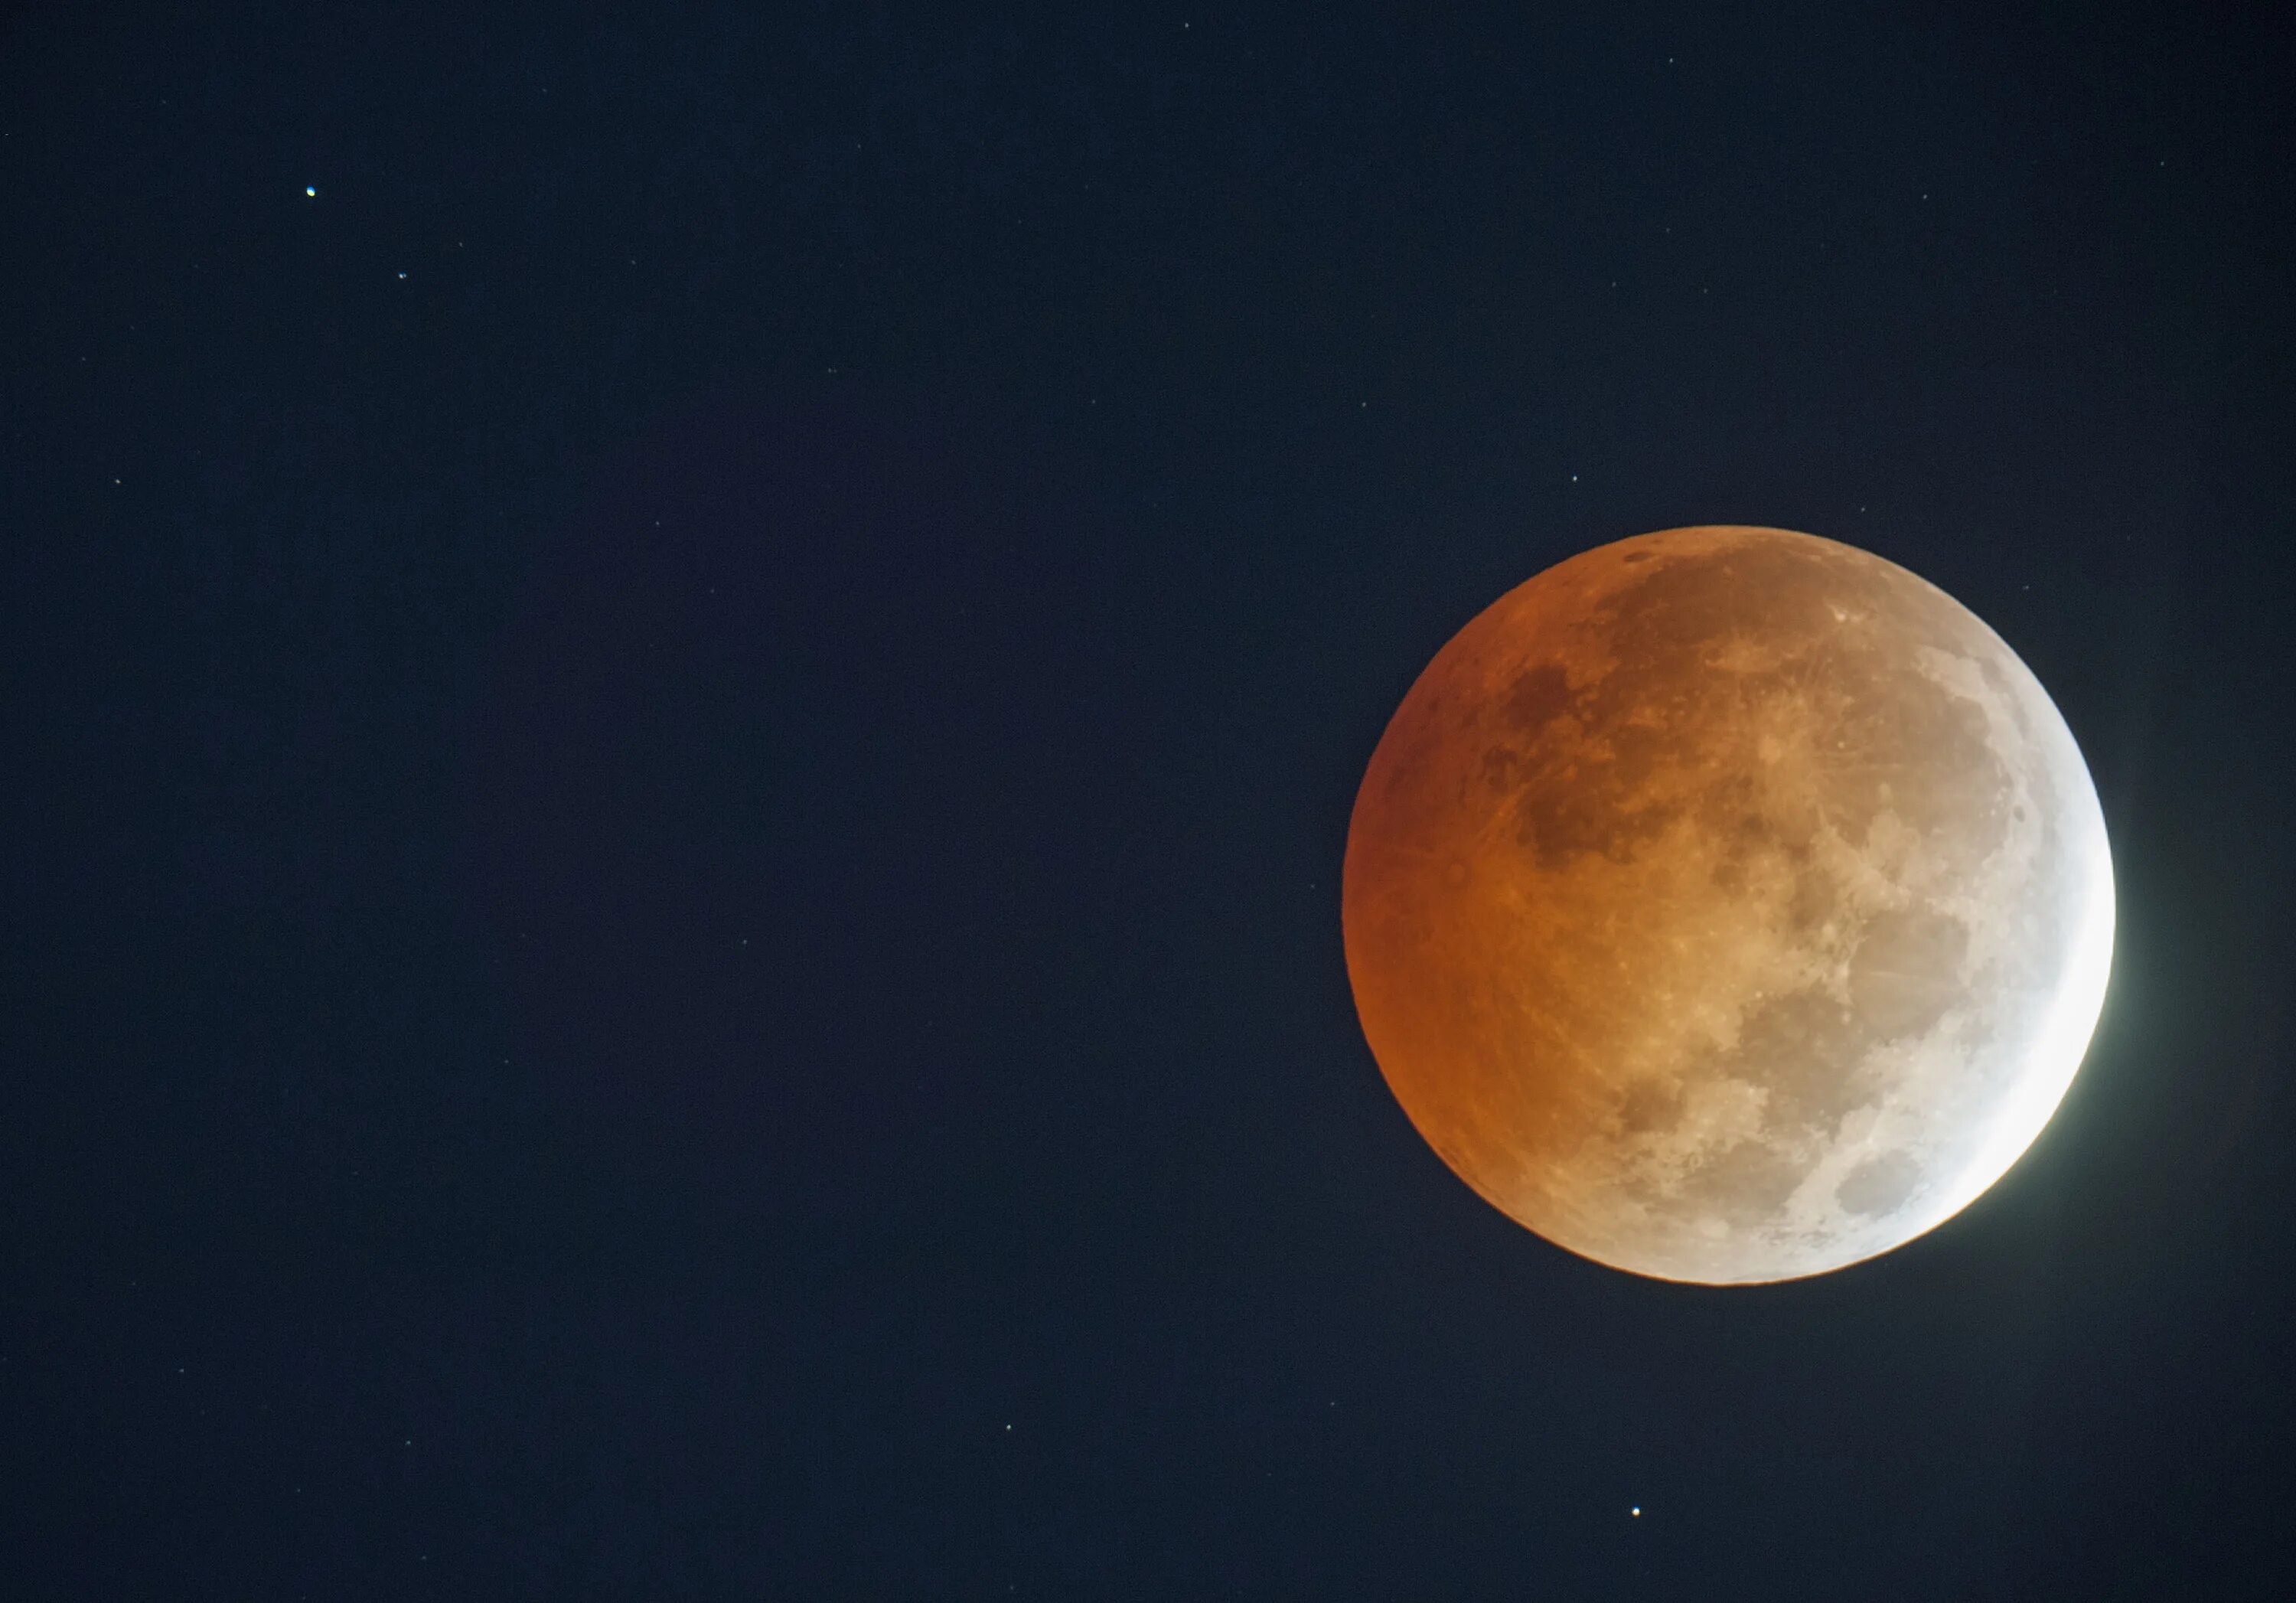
(1727, 905)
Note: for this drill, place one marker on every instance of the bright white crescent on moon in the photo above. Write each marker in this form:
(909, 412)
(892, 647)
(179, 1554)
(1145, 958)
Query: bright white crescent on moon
(1728, 904)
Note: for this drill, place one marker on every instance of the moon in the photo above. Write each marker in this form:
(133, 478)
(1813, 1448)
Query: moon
(1727, 905)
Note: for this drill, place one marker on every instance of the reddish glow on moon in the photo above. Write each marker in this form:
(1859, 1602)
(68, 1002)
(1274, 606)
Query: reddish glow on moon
(1727, 904)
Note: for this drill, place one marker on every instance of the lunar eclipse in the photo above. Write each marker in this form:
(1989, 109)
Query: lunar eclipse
(1727, 905)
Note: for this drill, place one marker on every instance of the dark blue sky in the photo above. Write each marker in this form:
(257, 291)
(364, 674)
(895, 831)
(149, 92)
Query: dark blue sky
(680, 754)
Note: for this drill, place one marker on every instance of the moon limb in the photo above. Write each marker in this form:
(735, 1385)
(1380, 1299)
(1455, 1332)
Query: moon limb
(1727, 904)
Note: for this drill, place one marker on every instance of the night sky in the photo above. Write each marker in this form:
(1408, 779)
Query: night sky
(683, 685)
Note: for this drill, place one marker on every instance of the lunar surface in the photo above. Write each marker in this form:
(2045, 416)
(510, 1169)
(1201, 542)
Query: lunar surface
(1727, 905)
